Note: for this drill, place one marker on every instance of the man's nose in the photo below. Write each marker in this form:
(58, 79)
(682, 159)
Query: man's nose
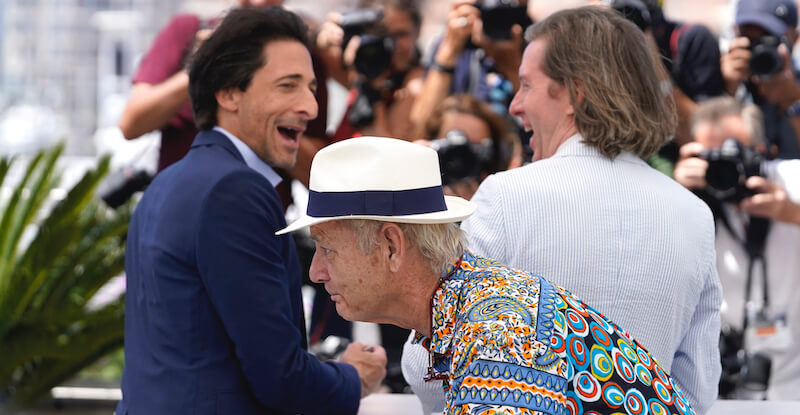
(307, 106)
(514, 108)
(317, 271)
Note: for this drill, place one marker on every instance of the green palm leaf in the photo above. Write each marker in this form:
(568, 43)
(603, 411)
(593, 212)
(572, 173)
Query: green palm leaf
(47, 278)
(5, 164)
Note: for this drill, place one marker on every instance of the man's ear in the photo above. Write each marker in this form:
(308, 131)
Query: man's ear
(228, 99)
(580, 94)
(396, 244)
(556, 90)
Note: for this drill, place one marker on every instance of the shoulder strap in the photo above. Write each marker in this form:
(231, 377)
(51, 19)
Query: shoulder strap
(753, 242)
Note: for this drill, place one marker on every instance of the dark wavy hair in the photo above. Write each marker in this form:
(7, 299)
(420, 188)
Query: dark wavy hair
(234, 52)
(612, 78)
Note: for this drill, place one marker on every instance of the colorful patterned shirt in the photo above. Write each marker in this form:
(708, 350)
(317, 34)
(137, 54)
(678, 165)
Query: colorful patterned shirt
(507, 342)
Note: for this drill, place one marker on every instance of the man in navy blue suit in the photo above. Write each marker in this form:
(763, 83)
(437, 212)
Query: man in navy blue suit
(214, 321)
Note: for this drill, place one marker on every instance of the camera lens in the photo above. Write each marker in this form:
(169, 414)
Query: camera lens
(457, 158)
(499, 16)
(765, 60)
(374, 55)
(728, 168)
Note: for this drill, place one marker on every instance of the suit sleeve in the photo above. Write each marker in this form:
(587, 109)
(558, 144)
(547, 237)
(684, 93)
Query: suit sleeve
(242, 265)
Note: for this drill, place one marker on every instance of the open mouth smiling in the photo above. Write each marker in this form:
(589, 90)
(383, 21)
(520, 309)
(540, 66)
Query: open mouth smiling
(290, 133)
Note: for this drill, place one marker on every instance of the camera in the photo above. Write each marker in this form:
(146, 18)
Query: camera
(745, 375)
(374, 54)
(460, 159)
(329, 349)
(765, 60)
(499, 16)
(729, 166)
(120, 185)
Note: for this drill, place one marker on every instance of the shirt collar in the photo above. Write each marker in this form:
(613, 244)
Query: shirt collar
(575, 146)
(445, 303)
(251, 159)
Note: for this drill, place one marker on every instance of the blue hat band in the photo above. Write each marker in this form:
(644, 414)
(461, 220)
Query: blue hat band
(376, 202)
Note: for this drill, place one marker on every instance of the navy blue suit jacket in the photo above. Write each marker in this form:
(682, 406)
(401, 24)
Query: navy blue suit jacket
(214, 320)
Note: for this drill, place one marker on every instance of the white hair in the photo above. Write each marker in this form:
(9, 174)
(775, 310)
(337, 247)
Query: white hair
(438, 243)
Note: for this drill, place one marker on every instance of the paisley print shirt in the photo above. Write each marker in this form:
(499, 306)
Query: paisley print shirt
(507, 342)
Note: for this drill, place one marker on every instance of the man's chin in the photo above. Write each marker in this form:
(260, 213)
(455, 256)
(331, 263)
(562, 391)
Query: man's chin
(344, 312)
(285, 163)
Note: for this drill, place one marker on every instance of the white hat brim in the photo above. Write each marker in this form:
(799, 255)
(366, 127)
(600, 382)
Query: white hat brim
(458, 209)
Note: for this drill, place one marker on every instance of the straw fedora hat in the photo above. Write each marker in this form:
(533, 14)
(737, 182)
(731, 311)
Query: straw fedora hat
(378, 178)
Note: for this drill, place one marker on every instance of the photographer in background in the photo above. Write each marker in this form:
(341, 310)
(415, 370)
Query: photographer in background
(373, 52)
(758, 68)
(757, 258)
(689, 53)
(479, 54)
(472, 141)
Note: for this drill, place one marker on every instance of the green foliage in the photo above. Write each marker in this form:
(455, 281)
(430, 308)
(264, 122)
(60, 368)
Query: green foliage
(662, 164)
(52, 261)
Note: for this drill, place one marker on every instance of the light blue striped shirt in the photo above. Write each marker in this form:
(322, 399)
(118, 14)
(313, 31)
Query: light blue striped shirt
(623, 237)
(251, 159)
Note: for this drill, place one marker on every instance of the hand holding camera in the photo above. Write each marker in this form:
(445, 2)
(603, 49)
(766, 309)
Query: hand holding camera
(735, 64)
(765, 61)
(330, 36)
(460, 22)
(356, 40)
(496, 26)
(722, 172)
(778, 85)
(770, 201)
(690, 170)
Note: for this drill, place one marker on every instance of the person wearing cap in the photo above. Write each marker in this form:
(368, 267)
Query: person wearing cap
(501, 340)
(213, 310)
(589, 213)
(772, 83)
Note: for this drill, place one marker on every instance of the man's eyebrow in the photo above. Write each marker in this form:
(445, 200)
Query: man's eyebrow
(295, 77)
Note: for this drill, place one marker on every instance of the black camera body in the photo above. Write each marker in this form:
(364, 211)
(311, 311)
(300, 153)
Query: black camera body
(729, 166)
(499, 16)
(374, 53)
(745, 375)
(120, 185)
(460, 159)
(765, 61)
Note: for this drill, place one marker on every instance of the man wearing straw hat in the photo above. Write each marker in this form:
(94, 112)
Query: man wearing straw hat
(389, 250)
